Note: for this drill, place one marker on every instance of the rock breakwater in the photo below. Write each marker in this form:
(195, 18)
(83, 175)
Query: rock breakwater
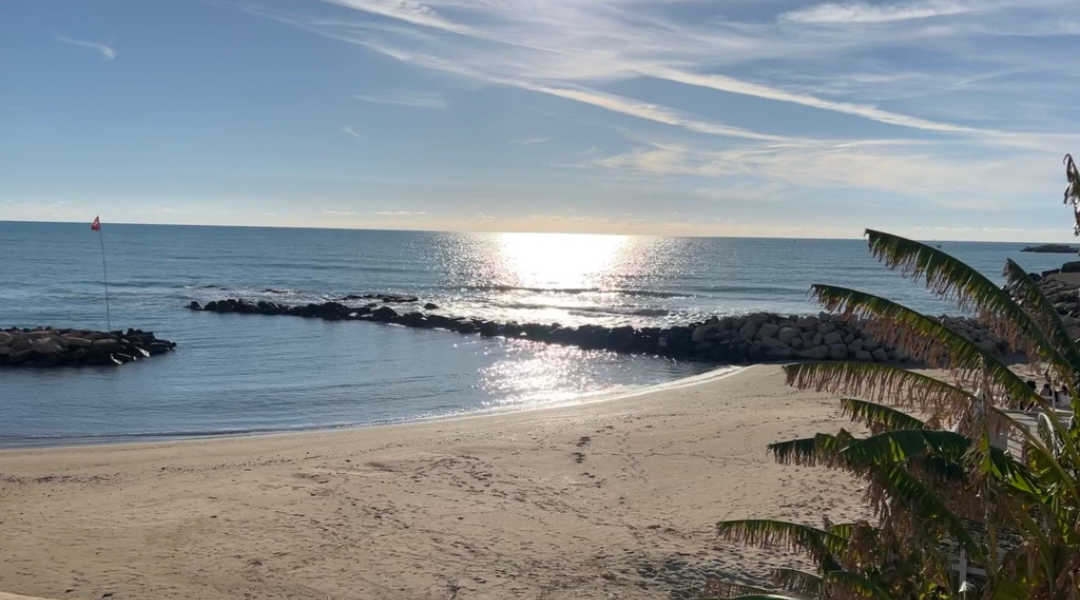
(46, 347)
(757, 337)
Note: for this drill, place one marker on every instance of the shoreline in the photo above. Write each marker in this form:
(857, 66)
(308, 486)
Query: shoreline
(174, 438)
(608, 497)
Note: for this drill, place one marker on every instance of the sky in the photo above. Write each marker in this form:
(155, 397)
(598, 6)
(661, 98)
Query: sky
(936, 119)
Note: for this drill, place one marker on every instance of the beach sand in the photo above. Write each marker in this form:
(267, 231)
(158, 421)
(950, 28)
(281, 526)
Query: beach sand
(613, 499)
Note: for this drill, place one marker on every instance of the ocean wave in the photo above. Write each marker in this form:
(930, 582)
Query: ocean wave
(576, 291)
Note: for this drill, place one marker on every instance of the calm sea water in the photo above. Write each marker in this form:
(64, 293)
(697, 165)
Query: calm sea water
(245, 374)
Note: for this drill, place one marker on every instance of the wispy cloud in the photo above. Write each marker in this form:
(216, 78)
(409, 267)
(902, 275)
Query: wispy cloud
(862, 12)
(340, 213)
(934, 99)
(400, 213)
(530, 141)
(405, 98)
(107, 53)
(347, 130)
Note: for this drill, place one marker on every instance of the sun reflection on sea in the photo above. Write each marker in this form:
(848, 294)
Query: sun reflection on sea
(560, 261)
(535, 374)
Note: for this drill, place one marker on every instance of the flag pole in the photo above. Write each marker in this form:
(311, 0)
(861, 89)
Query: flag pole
(104, 272)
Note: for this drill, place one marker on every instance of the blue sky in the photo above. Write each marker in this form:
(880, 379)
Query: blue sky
(940, 119)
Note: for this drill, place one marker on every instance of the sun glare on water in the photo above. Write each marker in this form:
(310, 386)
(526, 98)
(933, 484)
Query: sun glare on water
(561, 261)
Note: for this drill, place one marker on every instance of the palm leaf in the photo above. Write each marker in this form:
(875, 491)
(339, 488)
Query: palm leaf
(1043, 312)
(800, 582)
(953, 280)
(926, 338)
(757, 597)
(768, 533)
(718, 588)
(923, 505)
(899, 446)
(879, 417)
(1072, 191)
(809, 452)
(882, 383)
(856, 582)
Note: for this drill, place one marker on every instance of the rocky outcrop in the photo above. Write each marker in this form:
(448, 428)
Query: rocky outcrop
(1064, 296)
(750, 338)
(47, 347)
(1052, 249)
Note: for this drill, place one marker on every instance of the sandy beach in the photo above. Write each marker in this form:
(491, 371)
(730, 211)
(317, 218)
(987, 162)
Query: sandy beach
(612, 499)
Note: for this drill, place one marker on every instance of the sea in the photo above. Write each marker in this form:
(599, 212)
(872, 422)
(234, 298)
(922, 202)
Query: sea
(243, 374)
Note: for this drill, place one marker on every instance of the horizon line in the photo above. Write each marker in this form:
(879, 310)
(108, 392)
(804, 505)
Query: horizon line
(538, 232)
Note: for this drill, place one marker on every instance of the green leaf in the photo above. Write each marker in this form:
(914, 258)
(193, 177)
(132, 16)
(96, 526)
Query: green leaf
(820, 449)
(800, 582)
(969, 289)
(893, 447)
(1045, 314)
(925, 506)
(926, 338)
(857, 583)
(781, 534)
(878, 416)
(881, 383)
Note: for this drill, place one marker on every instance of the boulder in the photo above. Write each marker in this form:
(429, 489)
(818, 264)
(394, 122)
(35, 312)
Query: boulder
(702, 332)
(815, 353)
(855, 346)
(774, 348)
(768, 330)
(46, 346)
(880, 355)
(788, 334)
(833, 338)
(384, 313)
(864, 356)
(105, 344)
(838, 351)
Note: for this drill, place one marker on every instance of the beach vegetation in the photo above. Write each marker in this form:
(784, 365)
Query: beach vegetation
(965, 465)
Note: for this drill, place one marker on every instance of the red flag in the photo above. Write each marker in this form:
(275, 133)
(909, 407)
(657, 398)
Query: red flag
(96, 225)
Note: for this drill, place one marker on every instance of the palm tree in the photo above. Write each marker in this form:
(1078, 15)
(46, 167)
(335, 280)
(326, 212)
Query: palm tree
(940, 484)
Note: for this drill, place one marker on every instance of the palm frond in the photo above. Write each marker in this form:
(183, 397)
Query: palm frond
(926, 338)
(822, 449)
(923, 506)
(879, 417)
(1043, 312)
(1072, 191)
(858, 583)
(953, 280)
(893, 447)
(800, 582)
(768, 533)
(881, 383)
(719, 588)
(757, 597)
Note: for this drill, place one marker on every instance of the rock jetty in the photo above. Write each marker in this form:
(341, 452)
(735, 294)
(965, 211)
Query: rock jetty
(1052, 249)
(47, 347)
(1064, 296)
(757, 337)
